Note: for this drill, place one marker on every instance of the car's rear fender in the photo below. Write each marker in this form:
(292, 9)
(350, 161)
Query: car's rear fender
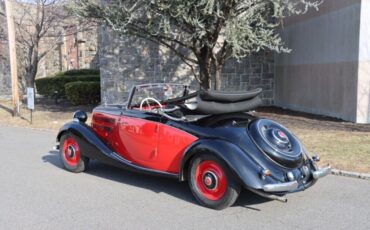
(243, 167)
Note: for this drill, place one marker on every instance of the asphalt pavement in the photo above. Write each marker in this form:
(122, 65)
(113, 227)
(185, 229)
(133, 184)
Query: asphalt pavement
(36, 193)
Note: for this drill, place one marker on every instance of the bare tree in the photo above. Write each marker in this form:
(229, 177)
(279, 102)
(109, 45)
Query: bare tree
(38, 20)
(40, 26)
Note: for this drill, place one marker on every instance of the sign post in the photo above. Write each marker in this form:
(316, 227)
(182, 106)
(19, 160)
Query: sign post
(30, 100)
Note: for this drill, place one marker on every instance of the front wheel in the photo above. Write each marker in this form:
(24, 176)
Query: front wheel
(70, 154)
(211, 182)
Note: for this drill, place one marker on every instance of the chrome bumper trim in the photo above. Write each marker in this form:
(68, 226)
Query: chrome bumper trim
(321, 172)
(281, 187)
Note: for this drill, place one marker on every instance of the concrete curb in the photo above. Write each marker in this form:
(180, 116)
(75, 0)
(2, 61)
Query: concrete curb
(337, 172)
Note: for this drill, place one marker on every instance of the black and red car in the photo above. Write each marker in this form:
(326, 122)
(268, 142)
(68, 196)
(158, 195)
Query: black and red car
(205, 137)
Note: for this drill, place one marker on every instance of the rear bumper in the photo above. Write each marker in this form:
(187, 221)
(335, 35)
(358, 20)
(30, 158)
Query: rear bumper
(321, 172)
(293, 185)
(281, 187)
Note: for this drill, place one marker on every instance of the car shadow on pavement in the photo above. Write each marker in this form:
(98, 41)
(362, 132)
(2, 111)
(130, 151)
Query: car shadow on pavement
(156, 184)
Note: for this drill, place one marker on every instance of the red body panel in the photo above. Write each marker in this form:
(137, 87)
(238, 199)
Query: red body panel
(136, 140)
(145, 143)
(171, 145)
(104, 124)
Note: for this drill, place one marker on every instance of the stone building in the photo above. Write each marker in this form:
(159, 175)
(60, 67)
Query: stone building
(5, 80)
(327, 73)
(125, 62)
(77, 50)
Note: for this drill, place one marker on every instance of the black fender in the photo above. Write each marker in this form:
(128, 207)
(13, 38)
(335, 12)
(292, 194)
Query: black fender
(93, 147)
(84, 132)
(242, 166)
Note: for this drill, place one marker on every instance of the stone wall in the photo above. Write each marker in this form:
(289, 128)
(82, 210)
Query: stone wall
(125, 62)
(5, 80)
(255, 71)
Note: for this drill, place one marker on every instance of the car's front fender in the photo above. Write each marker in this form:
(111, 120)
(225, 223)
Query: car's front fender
(86, 137)
(243, 167)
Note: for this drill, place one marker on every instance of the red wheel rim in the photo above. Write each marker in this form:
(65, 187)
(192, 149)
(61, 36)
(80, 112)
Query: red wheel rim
(71, 152)
(210, 180)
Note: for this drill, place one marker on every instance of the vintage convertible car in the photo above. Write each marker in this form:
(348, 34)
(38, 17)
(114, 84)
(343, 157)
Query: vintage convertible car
(204, 137)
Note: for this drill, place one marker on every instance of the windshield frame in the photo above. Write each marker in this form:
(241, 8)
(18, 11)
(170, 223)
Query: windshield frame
(150, 85)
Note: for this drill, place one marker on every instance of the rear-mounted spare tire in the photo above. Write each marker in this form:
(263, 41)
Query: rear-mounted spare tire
(276, 142)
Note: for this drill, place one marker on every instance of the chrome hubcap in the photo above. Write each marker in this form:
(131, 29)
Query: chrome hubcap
(280, 136)
(70, 151)
(210, 180)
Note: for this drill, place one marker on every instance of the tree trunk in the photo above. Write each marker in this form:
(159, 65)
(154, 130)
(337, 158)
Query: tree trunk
(30, 80)
(218, 79)
(31, 74)
(32, 67)
(205, 75)
(204, 85)
(205, 65)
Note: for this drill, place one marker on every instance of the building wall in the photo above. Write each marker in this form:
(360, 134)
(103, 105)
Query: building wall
(126, 61)
(363, 90)
(320, 75)
(78, 49)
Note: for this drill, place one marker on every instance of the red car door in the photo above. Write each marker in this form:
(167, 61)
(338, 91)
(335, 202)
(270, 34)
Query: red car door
(136, 140)
(150, 144)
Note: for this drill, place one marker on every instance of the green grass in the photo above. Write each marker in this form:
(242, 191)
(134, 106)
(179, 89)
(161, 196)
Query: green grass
(342, 149)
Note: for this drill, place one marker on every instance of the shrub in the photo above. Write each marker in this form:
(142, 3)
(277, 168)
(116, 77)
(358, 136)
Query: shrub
(47, 86)
(83, 93)
(75, 72)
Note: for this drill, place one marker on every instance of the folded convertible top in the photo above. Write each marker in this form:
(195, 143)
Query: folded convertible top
(217, 102)
(212, 107)
(224, 97)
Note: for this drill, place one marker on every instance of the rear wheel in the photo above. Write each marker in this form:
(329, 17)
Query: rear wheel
(70, 154)
(212, 183)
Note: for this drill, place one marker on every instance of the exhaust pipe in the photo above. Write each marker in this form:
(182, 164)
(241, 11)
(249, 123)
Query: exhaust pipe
(282, 199)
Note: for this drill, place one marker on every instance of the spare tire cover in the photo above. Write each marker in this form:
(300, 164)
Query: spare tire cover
(277, 142)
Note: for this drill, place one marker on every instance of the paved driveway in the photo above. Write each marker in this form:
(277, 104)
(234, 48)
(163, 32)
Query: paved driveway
(35, 193)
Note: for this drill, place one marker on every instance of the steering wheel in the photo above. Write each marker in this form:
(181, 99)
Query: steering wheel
(147, 102)
(161, 111)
